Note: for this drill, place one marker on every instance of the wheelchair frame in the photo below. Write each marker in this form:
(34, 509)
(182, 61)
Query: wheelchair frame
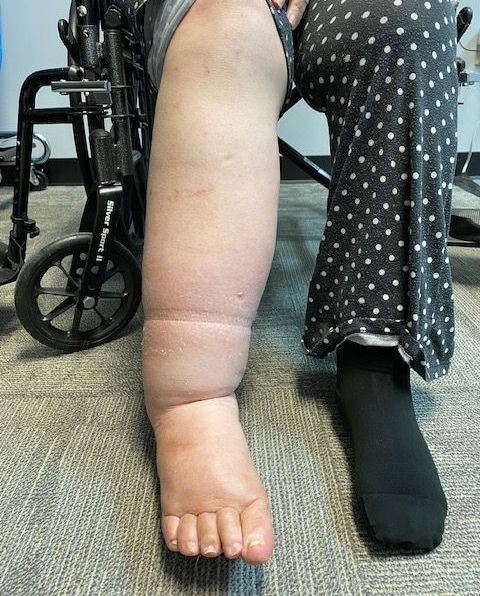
(101, 94)
(112, 75)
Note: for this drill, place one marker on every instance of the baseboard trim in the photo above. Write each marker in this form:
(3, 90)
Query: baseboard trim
(59, 171)
(66, 171)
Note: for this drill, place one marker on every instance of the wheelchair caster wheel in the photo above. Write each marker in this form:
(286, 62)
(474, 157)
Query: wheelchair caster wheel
(39, 180)
(47, 291)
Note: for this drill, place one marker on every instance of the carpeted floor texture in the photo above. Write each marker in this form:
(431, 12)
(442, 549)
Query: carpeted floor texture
(79, 496)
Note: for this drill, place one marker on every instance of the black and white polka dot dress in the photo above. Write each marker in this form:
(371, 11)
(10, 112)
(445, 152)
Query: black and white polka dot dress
(384, 73)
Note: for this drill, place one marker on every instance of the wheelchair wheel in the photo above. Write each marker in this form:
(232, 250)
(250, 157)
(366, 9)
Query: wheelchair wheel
(47, 290)
(40, 180)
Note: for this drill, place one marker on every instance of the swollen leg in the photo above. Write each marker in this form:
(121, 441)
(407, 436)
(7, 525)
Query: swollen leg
(209, 243)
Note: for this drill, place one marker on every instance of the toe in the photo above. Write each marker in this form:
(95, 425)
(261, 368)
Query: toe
(208, 538)
(406, 521)
(169, 529)
(187, 535)
(230, 531)
(257, 531)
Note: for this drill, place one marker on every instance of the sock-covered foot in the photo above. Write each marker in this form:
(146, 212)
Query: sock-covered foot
(396, 479)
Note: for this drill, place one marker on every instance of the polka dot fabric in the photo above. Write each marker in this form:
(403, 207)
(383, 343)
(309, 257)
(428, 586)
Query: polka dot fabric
(384, 74)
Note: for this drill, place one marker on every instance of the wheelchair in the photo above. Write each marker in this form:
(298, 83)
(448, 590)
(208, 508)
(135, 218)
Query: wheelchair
(81, 290)
(93, 277)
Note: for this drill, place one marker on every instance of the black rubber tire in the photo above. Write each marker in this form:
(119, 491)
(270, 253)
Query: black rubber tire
(42, 181)
(29, 279)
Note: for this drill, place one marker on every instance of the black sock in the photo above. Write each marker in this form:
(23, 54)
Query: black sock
(396, 479)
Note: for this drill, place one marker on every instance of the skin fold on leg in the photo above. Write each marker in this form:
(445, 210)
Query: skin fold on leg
(209, 242)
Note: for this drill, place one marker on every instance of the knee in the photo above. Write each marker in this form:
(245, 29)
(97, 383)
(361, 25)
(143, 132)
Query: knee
(232, 26)
(229, 40)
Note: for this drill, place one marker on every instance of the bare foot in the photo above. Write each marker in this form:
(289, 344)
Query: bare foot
(212, 498)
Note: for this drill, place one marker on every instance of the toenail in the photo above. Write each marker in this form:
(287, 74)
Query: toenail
(209, 550)
(254, 541)
(192, 547)
(234, 549)
(174, 543)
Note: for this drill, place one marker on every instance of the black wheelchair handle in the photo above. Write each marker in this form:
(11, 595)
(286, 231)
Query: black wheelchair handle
(68, 40)
(101, 144)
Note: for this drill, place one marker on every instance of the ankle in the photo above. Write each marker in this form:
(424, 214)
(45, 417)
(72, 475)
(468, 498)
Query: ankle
(197, 410)
(186, 361)
(355, 360)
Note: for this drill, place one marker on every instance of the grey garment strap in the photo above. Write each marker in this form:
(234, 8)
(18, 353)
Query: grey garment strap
(162, 17)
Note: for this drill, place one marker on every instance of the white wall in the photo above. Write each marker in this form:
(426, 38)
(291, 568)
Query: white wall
(31, 42)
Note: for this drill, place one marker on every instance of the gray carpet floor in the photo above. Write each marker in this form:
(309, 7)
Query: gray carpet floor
(79, 496)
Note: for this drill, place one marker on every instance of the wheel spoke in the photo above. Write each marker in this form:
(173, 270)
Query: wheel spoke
(113, 295)
(59, 309)
(104, 320)
(55, 292)
(110, 273)
(76, 320)
(60, 266)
